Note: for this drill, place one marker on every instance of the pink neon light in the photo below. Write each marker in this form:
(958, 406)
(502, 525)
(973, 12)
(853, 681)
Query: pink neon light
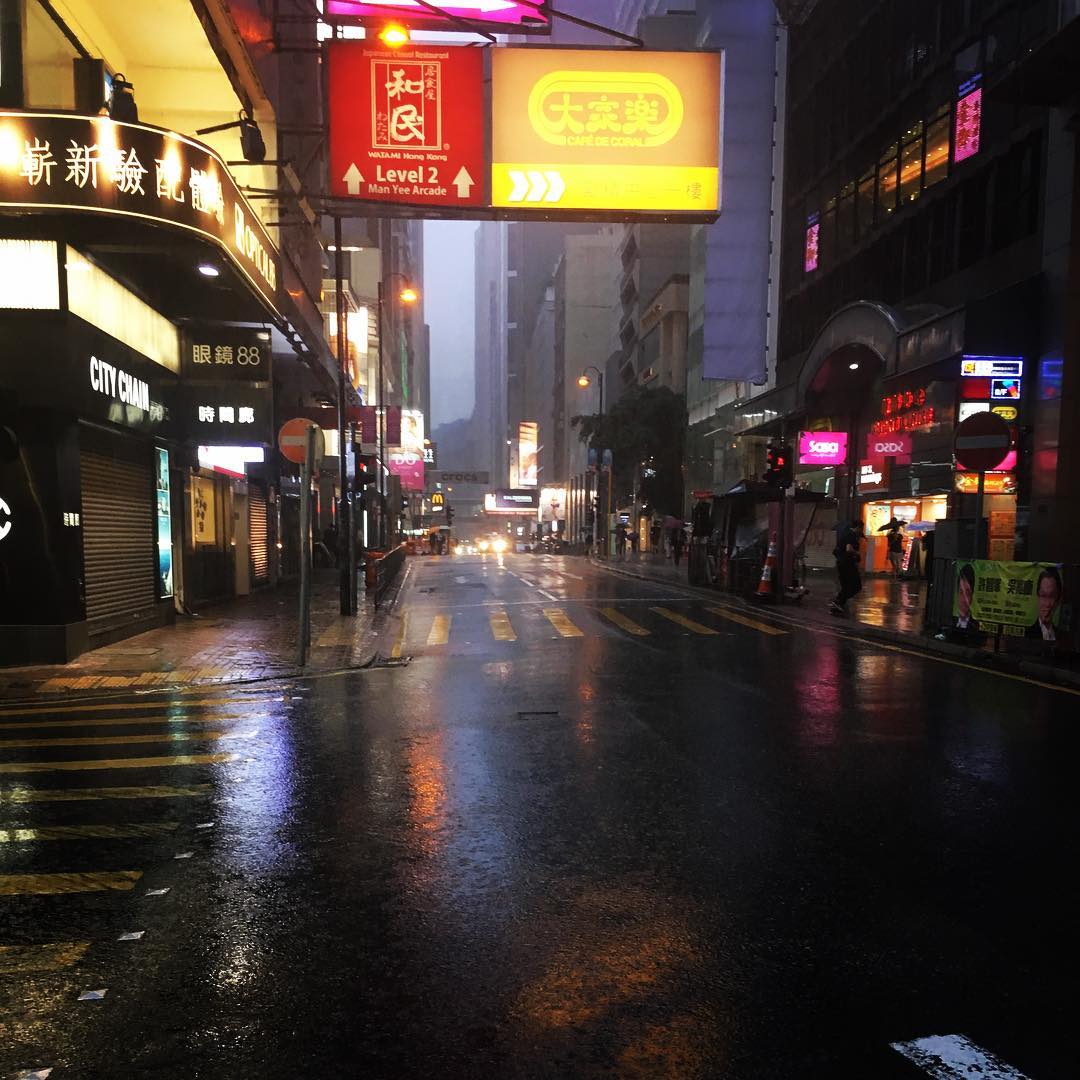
(810, 258)
(822, 447)
(507, 12)
(968, 128)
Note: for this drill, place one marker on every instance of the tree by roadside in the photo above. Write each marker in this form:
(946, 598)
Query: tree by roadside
(644, 429)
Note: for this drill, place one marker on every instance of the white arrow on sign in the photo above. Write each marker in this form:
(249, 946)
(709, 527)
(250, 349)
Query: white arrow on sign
(5, 519)
(353, 179)
(464, 183)
(536, 186)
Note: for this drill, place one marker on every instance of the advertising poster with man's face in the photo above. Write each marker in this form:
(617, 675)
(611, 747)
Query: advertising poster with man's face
(1025, 599)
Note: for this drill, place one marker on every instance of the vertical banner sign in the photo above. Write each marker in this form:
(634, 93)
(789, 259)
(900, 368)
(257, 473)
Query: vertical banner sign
(606, 129)
(164, 525)
(528, 439)
(407, 125)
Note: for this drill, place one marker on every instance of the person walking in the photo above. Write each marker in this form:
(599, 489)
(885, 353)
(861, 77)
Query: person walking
(895, 542)
(847, 555)
(677, 539)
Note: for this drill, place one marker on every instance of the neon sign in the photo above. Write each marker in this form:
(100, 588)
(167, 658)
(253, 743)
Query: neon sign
(822, 447)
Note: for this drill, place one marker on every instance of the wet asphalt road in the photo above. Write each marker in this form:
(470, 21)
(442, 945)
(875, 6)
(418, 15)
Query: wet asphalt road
(591, 828)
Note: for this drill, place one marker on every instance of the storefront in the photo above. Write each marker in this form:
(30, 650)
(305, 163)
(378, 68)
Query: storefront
(117, 366)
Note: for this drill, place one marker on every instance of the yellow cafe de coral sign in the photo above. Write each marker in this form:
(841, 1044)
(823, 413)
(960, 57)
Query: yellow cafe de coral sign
(615, 130)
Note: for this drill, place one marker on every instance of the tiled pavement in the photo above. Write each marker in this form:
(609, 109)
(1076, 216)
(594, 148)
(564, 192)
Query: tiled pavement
(243, 640)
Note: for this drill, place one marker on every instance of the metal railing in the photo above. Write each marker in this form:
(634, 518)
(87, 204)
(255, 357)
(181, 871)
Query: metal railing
(387, 568)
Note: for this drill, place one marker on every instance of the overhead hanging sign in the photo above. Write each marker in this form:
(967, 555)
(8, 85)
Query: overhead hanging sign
(54, 161)
(407, 125)
(506, 16)
(606, 130)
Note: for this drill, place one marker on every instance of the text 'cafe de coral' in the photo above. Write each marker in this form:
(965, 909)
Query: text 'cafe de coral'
(887, 452)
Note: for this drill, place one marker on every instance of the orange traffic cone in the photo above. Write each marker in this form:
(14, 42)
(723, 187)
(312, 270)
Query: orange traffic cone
(766, 589)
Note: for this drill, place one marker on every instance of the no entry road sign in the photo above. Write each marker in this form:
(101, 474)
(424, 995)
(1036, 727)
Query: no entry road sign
(407, 125)
(292, 440)
(982, 442)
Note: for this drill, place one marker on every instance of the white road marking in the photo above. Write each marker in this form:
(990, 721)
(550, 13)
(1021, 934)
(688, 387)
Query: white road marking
(955, 1057)
(544, 592)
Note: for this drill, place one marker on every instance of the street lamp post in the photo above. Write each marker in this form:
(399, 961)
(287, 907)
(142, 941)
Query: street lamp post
(345, 522)
(584, 382)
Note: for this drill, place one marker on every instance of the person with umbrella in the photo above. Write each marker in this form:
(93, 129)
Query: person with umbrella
(895, 541)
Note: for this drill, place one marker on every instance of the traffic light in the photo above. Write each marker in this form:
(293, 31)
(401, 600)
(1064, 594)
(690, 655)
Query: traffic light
(779, 466)
(449, 515)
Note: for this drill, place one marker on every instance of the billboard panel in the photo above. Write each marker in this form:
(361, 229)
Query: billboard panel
(405, 457)
(606, 130)
(512, 501)
(528, 446)
(406, 125)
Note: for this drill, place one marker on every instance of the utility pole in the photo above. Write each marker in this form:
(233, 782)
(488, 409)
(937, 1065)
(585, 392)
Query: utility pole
(345, 520)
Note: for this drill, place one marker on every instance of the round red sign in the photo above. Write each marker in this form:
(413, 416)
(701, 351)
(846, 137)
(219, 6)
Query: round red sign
(982, 442)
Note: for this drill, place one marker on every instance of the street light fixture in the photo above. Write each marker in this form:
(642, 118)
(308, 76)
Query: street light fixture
(408, 295)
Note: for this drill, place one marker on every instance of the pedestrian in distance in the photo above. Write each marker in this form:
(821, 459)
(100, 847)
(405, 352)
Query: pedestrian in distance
(895, 542)
(847, 554)
(677, 539)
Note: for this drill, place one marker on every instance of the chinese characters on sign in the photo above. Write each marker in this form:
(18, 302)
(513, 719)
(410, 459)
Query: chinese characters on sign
(968, 131)
(97, 164)
(407, 126)
(225, 353)
(903, 411)
(227, 414)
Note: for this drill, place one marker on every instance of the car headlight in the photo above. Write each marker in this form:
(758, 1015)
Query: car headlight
(483, 545)
(500, 545)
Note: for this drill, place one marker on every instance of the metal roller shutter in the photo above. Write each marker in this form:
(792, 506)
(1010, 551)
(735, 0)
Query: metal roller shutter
(258, 535)
(118, 531)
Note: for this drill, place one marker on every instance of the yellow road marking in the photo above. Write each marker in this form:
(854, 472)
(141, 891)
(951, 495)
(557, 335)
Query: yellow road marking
(561, 621)
(338, 633)
(113, 763)
(125, 706)
(123, 721)
(55, 884)
(32, 795)
(500, 626)
(85, 832)
(765, 628)
(119, 740)
(440, 630)
(399, 641)
(26, 959)
(682, 620)
(621, 620)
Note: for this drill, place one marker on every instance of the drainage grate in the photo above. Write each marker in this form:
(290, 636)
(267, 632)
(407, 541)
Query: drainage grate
(393, 661)
(538, 714)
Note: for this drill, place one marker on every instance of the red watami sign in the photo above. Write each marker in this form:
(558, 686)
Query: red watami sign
(406, 125)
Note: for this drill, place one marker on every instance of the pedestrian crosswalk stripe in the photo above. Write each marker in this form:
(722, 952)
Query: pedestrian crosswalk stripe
(399, 641)
(56, 884)
(561, 621)
(955, 1057)
(622, 621)
(33, 795)
(85, 832)
(128, 706)
(500, 626)
(124, 721)
(683, 621)
(114, 763)
(32, 959)
(734, 616)
(440, 630)
(121, 740)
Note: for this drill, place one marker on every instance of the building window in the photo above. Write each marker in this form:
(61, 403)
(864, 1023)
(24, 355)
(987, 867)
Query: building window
(911, 164)
(887, 183)
(865, 204)
(845, 220)
(936, 167)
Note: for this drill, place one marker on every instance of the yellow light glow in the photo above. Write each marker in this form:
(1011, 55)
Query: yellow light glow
(584, 381)
(408, 296)
(483, 545)
(499, 546)
(11, 148)
(394, 35)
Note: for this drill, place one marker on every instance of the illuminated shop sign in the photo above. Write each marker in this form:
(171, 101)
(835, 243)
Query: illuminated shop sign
(512, 501)
(822, 447)
(904, 411)
(509, 16)
(810, 252)
(164, 525)
(873, 477)
(53, 161)
(227, 414)
(992, 367)
(898, 446)
(215, 353)
(1005, 389)
(1008, 413)
(1000, 483)
(970, 408)
(967, 130)
(119, 385)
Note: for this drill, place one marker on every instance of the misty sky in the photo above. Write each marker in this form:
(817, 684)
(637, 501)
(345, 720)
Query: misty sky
(449, 269)
(448, 309)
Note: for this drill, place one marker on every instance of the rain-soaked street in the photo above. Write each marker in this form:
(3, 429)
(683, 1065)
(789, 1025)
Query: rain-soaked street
(576, 825)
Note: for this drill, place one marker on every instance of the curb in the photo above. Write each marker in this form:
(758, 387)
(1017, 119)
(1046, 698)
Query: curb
(930, 646)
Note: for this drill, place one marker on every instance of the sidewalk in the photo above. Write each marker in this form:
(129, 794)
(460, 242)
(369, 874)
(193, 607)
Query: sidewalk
(886, 610)
(239, 641)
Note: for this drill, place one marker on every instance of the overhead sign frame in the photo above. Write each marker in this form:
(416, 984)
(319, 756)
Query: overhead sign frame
(495, 16)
